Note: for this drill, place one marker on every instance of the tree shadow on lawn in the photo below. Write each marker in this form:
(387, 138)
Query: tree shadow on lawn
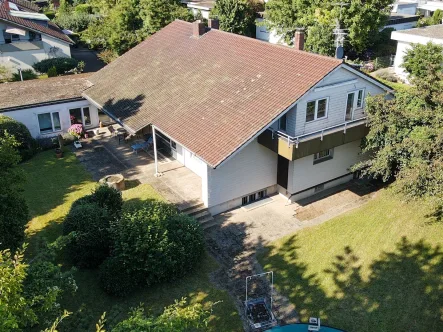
(90, 301)
(403, 291)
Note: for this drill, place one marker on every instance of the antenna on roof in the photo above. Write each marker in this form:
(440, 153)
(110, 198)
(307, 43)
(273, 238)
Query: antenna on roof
(339, 33)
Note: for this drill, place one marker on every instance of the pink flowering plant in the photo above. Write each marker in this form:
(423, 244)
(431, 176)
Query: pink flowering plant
(76, 130)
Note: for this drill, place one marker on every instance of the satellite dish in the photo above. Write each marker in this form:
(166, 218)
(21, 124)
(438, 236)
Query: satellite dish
(339, 52)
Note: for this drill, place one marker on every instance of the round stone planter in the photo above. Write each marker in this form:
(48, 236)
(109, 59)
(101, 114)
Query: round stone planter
(116, 181)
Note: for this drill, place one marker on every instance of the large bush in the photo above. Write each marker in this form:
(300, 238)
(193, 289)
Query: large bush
(13, 218)
(151, 243)
(62, 65)
(27, 145)
(87, 226)
(27, 74)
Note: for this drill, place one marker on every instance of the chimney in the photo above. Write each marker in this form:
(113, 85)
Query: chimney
(214, 23)
(198, 29)
(5, 5)
(299, 39)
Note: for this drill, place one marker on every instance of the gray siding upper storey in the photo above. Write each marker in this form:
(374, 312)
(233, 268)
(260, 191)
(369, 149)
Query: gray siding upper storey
(337, 97)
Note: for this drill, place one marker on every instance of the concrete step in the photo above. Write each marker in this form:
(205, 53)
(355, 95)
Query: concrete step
(200, 214)
(189, 208)
(209, 224)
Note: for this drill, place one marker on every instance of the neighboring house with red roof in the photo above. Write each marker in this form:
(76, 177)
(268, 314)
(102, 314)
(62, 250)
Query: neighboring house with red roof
(27, 37)
(250, 118)
(48, 106)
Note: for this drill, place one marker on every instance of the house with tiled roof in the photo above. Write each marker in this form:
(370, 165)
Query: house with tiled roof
(27, 37)
(48, 107)
(250, 118)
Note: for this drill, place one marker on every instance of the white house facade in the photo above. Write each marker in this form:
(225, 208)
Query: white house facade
(48, 107)
(288, 123)
(406, 38)
(28, 37)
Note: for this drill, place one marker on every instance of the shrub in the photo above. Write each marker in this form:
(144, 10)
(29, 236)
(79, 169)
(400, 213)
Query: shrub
(387, 76)
(153, 243)
(27, 74)
(62, 65)
(13, 218)
(83, 8)
(107, 56)
(108, 198)
(75, 21)
(52, 72)
(27, 144)
(88, 228)
(116, 279)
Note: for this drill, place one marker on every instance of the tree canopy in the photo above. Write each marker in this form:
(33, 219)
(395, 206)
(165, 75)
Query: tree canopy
(362, 19)
(236, 16)
(405, 141)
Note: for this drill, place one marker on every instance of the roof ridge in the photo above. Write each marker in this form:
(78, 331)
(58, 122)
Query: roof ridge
(269, 44)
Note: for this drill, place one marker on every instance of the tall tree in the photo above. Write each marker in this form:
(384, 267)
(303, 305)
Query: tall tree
(236, 16)
(362, 19)
(405, 140)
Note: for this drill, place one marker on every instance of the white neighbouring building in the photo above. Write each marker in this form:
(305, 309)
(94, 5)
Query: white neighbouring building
(406, 38)
(28, 37)
(48, 107)
(287, 121)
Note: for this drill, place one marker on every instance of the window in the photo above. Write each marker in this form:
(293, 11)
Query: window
(49, 122)
(354, 101)
(282, 123)
(34, 36)
(253, 197)
(173, 145)
(80, 115)
(323, 156)
(316, 109)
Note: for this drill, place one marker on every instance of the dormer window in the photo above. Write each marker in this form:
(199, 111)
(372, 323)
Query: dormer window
(282, 123)
(316, 109)
(354, 101)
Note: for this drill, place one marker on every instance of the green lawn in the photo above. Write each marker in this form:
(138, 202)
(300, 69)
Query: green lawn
(377, 268)
(51, 187)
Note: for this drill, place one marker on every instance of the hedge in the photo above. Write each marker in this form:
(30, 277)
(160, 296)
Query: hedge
(62, 65)
(28, 145)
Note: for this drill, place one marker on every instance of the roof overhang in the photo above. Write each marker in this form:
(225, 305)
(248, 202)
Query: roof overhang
(52, 102)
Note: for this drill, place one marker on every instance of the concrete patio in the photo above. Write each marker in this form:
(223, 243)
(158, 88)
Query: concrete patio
(103, 155)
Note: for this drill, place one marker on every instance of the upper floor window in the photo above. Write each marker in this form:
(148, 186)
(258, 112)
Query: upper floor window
(10, 37)
(282, 123)
(49, 122)
(34, 36)
(316, 109)
(354, 101)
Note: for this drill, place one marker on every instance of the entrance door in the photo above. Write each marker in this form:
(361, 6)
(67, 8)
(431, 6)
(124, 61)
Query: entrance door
(282, 172)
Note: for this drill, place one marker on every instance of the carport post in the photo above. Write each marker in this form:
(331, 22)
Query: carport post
(157, 174)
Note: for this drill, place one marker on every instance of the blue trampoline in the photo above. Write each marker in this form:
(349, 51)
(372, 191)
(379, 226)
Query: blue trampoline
(301, 328)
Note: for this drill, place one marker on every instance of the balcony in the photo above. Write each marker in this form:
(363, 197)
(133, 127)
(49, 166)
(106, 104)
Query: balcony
(293, 148)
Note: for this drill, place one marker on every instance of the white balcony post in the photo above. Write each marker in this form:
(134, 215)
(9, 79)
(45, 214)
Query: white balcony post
(157, 174)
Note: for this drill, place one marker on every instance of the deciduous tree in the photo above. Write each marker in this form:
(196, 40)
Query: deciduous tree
(236, 16)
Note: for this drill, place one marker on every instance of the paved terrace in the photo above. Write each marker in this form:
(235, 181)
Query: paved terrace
(103, 155)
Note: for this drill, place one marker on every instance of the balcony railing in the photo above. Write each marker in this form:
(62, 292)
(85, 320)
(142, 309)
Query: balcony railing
(295, 147)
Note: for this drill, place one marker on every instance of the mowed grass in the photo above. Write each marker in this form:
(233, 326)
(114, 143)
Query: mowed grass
(51, 187)
(377, 268)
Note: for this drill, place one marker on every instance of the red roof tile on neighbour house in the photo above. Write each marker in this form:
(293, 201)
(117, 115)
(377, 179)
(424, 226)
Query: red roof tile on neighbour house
(52, 29)
(27, 5)
(211, 94)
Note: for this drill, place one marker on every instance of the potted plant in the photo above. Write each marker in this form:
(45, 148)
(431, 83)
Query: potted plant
(58, 149)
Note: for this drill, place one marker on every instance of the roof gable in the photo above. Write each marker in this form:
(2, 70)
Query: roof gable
(213, 93)
(51, 30)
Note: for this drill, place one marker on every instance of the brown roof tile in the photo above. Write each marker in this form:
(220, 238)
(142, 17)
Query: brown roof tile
(25, 4)
(211, 94)
(18, 95)
(51, 30)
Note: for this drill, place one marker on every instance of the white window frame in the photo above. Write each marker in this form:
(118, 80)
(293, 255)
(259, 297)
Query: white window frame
(52, 122)
(316, 109)
(83, 114)
(329, 156)
(355, 106)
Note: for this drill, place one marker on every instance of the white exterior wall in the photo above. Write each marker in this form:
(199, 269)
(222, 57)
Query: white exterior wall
(29, 116)
(303, 174)
(25, 59)
(263, 34)
(252, 169)
(404, 42)
(296, 117)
